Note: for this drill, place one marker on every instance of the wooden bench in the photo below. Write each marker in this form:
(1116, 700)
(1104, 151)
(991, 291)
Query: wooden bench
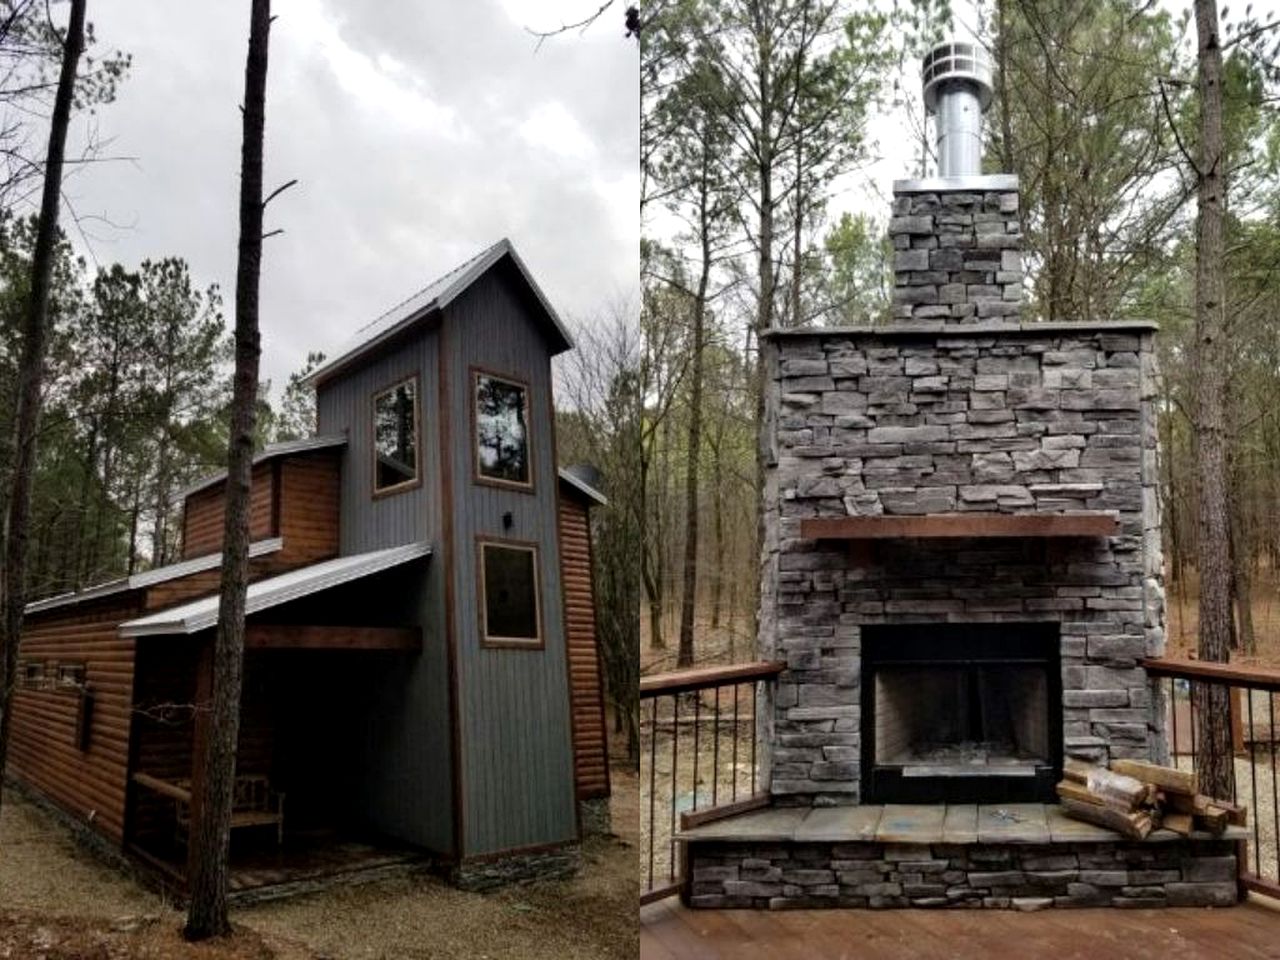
(254, 803)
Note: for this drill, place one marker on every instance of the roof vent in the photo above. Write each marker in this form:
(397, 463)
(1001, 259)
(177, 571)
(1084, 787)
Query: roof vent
(957, 89)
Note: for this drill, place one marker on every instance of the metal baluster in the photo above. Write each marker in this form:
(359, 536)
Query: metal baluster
(715, 751)
(1253, 782)
(735, 741)
(754, 731)
(675, 754)
(1173, 709)
(697, 713)
(653, 776)
(1275, 800)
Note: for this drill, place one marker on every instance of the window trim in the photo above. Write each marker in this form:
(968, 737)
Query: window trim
(376, 492)
(477, 476)
(482, 608)
(62, 682)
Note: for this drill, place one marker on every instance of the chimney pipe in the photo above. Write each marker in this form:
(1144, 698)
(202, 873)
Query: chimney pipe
(957, 90)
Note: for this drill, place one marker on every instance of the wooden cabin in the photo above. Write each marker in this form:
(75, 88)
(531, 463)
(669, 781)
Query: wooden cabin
(421, 664)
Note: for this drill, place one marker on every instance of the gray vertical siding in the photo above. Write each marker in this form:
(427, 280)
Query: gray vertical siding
(406, 775)
(517, 755)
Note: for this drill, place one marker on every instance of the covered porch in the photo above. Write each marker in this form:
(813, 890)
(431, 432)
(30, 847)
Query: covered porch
(319, 647)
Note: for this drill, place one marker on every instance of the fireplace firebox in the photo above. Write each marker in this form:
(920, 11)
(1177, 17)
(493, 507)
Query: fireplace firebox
(961, 713)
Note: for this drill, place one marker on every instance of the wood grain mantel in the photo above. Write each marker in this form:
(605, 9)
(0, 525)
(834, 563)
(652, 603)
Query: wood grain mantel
(1081, 524)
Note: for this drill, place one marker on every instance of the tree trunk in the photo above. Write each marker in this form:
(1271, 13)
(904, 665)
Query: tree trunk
(1241, 574)
(717, 528)
(213, 786)
(13, 571)
(689, 595)
(1217, 775)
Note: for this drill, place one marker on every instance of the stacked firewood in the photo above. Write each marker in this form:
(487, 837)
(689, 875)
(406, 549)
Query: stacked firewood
(1135, 797)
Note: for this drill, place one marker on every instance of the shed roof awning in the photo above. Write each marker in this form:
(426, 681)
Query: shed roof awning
(584, 488)
(1083, 523)
(149, 578)
(265, 594)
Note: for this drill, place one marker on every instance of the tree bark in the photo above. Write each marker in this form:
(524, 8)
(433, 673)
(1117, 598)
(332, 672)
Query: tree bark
(212, 797)
(13, 572)
(689, 595)
(1217, 776)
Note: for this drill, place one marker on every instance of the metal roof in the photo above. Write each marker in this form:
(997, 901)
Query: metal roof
(148, 578)
(583, 487)
(269, 452)
(435, 296)
(264, 594)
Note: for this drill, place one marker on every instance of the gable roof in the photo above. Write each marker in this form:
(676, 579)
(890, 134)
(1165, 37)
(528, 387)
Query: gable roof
(264, 594)
(270, 452)
(435, 297)
(149, 578)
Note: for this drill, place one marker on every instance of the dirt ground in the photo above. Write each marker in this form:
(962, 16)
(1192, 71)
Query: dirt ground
(58, 903)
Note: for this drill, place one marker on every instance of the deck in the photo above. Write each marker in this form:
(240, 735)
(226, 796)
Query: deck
(668, 931)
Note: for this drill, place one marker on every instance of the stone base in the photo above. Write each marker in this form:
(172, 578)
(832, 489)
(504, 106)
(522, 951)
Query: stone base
(1025, 876)
(595, 817)
(554, 864)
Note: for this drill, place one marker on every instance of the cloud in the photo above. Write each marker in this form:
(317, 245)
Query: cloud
(419, 132)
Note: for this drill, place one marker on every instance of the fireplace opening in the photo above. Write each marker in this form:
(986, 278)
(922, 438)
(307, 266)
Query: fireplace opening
(966, 713)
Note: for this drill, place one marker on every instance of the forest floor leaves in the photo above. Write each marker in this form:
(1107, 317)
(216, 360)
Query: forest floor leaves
(57, 902)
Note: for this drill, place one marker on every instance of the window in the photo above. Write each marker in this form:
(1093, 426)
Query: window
(395, 437)
(509, 594)
(502, 430)
(32, 673)
(71, 675)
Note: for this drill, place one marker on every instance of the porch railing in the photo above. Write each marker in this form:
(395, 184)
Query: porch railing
(1251, 693)
(698, 730)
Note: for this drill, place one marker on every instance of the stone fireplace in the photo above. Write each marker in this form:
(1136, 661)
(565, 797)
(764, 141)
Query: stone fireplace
(961, 570)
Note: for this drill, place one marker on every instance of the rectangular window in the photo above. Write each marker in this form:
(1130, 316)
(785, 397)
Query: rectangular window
(502, 430)
(395, 437)
(71, 675)
(509, 598)
(32, 673)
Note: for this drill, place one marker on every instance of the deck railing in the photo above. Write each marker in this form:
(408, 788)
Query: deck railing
(1251, 693)
(698, 731)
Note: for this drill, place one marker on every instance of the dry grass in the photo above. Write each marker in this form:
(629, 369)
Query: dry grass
(58, 902)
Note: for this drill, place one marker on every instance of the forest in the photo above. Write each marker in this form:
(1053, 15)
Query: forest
(765, 133)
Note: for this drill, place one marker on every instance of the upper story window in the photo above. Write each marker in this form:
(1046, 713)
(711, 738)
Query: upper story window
(502, 430)
(395, 437)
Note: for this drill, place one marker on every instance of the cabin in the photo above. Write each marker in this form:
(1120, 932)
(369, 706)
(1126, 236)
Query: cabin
(421, 674)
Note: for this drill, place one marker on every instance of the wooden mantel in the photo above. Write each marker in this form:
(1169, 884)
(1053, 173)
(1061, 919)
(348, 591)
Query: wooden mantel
(1080, 524)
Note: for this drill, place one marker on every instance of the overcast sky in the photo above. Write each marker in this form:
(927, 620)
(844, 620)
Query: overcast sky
(420, 132)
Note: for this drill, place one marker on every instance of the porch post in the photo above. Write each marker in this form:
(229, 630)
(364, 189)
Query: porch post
(200, 738)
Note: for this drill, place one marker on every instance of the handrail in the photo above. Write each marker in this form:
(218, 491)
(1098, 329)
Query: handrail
(1260, 678)
(702, 678)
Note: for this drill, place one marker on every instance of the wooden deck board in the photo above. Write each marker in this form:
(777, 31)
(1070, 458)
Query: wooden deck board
(1251, 930)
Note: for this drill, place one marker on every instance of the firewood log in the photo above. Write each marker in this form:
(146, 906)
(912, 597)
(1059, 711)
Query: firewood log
(1117, 788)
(1166, 778)
(1133, 825)
(1077, 771)
(1179, 823)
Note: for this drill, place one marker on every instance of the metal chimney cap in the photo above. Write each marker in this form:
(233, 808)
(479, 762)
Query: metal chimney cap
(955, 60)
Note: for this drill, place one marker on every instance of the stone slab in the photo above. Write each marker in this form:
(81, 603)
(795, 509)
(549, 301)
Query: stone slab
(960, 825)
(839, 824)
(910, 823)
(776, 824)
(1012, 823)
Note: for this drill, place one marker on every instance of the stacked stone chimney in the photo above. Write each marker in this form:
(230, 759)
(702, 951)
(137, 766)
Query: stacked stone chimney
(956, 249)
